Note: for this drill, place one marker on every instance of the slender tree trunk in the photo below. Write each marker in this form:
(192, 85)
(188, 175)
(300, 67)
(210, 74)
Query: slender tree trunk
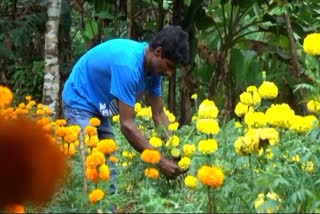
(129, 18)
(52, 71)
(292, 45)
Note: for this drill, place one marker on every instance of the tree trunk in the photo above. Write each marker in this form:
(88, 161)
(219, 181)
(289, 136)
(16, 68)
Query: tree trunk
(52, 75)
(129, 18)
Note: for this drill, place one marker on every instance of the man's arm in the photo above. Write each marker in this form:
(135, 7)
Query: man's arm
(140, 142)
(158, 115)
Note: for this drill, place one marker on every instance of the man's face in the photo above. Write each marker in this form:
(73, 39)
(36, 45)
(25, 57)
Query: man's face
(162, 66)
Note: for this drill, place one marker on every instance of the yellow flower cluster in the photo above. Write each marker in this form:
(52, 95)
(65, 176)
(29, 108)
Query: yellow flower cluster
(268, 90)
(311, 44)
(211, 176)
(313, 106)
(208, 146)
(191, 181)
(173, 142)
(156, 142)
(280, 115)
(208, 126)
(255, 119)
(208, 110)
(184, 163)
(188, 150)
(173, 126)
(253, 139)
(308, 167)
(262, 198)
(303, 124)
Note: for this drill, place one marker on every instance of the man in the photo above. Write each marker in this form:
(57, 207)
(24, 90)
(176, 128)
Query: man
(112, 76)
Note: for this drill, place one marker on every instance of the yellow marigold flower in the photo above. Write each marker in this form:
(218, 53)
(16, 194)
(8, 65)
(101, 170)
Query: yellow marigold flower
(208, 110)
(61, 122)
(308, 166)
(92, 141)
(270, 134)
(116, 118)
(107, 146)
(47, 110)
(252, 88)
(184, 163)
(208, 146)
(280, 115)
(237, 124)
(43, 121)
(21, 105)
(191, 182)
(28, 107)
(259, 201)
(94, 121)
(40, 112)
(311, 44)
(246, 98)
(188, 150)
(92, 174)
(91, 130)
(268, 90)
(32, 102)
(6, 96)
(104, 172)
(173, 126)
(155, 142)
(145, 113)
(175, 152)
(211, 176)
(255, 119)
(151, 156)
(208, 126)
(70, 137)
(40, 106)
(95, 159)
(129, 155)
(28, 97)
(313, 106)
(113, 159)
(194, 96)
(170, 116)
(304, 124)
(241, 109)
(137, 107)
(96, 195)
(151, 173)
(14, 208)
(173, 141)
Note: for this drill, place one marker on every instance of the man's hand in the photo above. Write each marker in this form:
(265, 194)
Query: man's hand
(169, 168)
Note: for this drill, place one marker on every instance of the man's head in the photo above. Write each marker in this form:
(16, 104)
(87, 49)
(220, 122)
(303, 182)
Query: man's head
(169, 48)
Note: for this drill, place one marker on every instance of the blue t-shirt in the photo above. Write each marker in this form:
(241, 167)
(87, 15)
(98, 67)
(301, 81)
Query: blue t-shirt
(112, 70)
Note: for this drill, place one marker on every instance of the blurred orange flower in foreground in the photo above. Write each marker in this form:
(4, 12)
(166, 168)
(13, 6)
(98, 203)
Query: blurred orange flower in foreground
(32, 167)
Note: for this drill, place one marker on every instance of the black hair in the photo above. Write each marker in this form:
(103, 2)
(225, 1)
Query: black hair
(174, 43)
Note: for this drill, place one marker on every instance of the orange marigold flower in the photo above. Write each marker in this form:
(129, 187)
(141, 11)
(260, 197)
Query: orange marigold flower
(91, 130)
(96, 195)
(151, 156)
(61, 131)
(95, 159)
(14, 208)
(107, 146)
(92, 174)
(95, 121)
(211, 176)
(151, 173)
(104, 172)
(70, 137)
(6, 96)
